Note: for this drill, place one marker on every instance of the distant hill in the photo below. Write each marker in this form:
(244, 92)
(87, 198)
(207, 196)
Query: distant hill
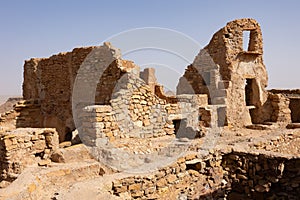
(3, 99)
(7, 103)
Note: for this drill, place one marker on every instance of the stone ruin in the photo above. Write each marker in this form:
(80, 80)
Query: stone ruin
(94, 92)
(223, 76)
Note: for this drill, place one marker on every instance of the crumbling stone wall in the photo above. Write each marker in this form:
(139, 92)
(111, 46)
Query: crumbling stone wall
(294, 99)
(117, 83)
(281, 111)
(24, 112)
(50, 82)
(201, 174)
(148, 75)
(233, 80)
(29, 113)
(23, 147)
(136, 111)
(8, 121)
(262, 176)
(109, 80)
(159, 92)
(98, 122)
(222, 69)
(233, 175)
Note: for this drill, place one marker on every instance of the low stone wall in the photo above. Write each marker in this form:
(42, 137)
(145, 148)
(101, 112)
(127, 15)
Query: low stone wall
(200, 175)
(233, 176)
(8, 121)
(23, 147)
(26, 113)
(29, 114)
(98, 122)
(281, 111)
(289, 93)
(262, 176)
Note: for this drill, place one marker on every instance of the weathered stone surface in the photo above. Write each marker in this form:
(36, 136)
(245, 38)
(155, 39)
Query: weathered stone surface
(23, 147)
(224, 86)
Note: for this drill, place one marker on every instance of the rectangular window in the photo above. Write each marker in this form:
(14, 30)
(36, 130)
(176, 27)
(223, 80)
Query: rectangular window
(246, 40)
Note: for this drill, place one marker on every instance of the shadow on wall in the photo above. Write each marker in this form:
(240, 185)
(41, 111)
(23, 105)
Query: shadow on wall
(30, 115)
(182, 130)
(295, 109)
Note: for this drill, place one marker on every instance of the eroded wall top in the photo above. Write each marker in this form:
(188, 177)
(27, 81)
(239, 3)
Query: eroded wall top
(226, 45)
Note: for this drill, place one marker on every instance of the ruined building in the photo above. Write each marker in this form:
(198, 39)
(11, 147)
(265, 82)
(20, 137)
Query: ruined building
(223, 77)
(103, 96)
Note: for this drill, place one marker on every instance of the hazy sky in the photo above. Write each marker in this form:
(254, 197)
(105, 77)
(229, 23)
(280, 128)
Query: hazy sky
(43, 28)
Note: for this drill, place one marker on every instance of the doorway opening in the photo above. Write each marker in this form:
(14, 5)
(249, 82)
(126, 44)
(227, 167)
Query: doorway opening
(295, 110)
(252, 98)
(176, 124)
(249, 92)
(182, 130)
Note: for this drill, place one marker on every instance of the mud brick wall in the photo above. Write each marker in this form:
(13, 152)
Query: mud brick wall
(23, 147)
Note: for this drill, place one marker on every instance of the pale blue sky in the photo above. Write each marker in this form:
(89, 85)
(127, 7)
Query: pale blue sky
(42, 28)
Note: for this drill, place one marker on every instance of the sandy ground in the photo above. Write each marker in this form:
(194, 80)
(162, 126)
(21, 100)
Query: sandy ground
(77, 180)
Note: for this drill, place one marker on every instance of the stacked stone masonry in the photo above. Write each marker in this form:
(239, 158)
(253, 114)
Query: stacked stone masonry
(107, 98)
(233, 175)
(24, 147)
(223, 67)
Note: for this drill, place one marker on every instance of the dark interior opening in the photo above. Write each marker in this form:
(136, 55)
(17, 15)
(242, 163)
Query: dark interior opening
(182, 130)
(176, 123)
(68, 136)
(295, 110)
(39, 154)
(249, 92)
